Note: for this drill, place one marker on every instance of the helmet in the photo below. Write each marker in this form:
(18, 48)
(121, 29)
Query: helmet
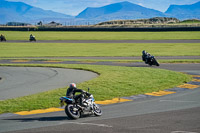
(72, 85)
(143, 52)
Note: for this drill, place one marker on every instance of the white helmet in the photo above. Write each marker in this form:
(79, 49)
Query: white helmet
(72, 85)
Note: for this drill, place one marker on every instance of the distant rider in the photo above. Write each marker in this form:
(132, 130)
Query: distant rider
(146, 56)
(148, 59)
(2, 38)
(71, 93)
(31, 36)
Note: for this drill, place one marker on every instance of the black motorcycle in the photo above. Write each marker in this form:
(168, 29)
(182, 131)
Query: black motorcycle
(74, 110)
(2, 38)
(149, 59)
(32, 38)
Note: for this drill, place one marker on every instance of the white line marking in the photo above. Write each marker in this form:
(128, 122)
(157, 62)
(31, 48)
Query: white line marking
(92, 124)
(182, 132)
(177, 101)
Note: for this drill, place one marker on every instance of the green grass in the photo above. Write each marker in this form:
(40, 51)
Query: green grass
(42, 35)
(190, 22)
(113, 82)
(97, 49)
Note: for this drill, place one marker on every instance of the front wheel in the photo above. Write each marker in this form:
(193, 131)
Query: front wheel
(156, 63)
(72, 111)
(97, 110)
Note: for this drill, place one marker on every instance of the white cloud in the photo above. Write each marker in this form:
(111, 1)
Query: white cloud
(140, 4)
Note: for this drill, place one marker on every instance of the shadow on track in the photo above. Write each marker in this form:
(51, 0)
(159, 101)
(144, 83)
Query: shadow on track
(54, 118)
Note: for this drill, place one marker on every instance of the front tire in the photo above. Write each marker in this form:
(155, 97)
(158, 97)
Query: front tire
(72, 111)
(97, 110)
(156, 63)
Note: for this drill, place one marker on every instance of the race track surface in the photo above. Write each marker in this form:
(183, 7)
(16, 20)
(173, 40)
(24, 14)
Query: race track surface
(181, 121)
(107, 58)
(23, 81)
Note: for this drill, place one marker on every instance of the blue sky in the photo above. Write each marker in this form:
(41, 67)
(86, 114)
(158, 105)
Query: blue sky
(74, 7)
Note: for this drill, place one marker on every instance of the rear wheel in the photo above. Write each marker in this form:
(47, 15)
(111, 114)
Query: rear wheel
(72, 111)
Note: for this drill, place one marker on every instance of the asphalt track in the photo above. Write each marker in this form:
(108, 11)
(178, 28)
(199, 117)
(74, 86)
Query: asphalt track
(107, 58)
(23, 81)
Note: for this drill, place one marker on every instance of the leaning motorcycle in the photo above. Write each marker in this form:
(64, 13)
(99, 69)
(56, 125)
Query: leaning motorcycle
(153, 61)
(149, 59)
(3, 39)
(74, 110)
(32, 39)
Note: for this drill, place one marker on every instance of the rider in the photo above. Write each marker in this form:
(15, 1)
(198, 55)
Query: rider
(31, 36)
(71, 93)
(148, 59)
(2, 37)
(146, 56)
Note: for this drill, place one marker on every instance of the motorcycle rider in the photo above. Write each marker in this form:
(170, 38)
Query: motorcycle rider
(2, 37)
(31, 36)
(71, 93)
(146, 56)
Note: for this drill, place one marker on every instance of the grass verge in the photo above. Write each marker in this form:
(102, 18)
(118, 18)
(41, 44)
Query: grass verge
(52, 35)
(114, 81)
(96, 49)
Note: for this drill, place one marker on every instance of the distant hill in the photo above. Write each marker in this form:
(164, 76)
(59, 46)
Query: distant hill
(185, 11)
(122, 10)
(156, 20)
(21, 12)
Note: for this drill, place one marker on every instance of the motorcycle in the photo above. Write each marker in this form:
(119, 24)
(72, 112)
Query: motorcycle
(3, 38)
(32, 38)
(74, 110)
(149, 59)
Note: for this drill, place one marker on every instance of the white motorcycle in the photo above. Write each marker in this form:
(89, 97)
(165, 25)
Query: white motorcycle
(74, 110)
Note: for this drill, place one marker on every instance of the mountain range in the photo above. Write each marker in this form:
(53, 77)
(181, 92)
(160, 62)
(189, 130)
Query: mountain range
(21, 12)
(122, 10)
(184, 11)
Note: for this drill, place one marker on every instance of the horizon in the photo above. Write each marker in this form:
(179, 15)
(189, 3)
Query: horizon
(61, 5)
